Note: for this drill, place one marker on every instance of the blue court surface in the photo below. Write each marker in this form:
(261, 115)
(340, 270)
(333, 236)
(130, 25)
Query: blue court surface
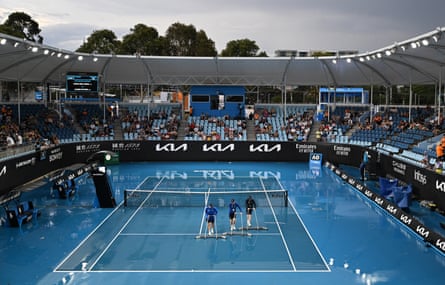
(309, 228)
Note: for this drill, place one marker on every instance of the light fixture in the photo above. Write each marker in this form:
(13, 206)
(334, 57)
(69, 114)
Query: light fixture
(368, 57)
(413, 45)
(334, 61)
(46, 52)
(361, 59)
(379, 55)
(95, 59)
(80, 58)
(34, 49)
(388, 52)
(435, 38)
(403, 48)
(16, 44)
(3, 41)
(59, 54)
(66, 56)
(425, 42)
(348, 60)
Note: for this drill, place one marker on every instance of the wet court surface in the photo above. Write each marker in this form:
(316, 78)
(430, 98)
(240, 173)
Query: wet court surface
(327, 234)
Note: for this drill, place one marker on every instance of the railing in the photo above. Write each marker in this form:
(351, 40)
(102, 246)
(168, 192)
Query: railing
(9, 152)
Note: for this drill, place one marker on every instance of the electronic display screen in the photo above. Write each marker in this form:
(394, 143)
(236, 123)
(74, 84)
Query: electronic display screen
(82, 82)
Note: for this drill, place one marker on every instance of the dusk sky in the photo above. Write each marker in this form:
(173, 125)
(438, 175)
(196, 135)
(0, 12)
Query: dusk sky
(361, 25)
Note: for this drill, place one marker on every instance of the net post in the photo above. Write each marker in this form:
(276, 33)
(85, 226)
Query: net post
(125, 198)
(286, 194)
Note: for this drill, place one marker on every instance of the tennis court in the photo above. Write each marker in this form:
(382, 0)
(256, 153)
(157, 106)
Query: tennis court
(323, 232)
(161, 227)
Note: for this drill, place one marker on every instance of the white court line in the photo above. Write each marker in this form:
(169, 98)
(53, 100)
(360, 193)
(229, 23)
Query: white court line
(120, 233)
(196, 271)
(122, 228)
(188, 234)
(87, 237)
(291, 259)
(305, 229)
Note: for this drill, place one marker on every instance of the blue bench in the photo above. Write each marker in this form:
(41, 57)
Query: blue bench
(66, 188)
(22, 213)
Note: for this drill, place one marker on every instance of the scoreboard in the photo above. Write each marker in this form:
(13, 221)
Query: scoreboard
(82, 82)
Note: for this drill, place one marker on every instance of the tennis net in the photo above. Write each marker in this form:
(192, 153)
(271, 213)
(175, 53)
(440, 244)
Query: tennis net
(157, 198)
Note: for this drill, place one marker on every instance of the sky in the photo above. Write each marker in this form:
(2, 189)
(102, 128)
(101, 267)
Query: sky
(361, 25)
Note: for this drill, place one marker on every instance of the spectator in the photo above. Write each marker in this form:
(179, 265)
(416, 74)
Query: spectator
(10, 141)
(440, 147)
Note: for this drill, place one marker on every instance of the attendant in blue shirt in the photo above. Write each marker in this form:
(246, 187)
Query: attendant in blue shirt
(363, 165)
(232, 213)
(210, 215)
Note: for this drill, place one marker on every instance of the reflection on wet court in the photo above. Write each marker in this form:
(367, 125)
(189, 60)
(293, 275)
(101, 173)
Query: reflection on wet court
(160, 226)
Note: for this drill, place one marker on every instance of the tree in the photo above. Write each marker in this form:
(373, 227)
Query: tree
(142, 40)
(244, 47)
(102, 42)
(181, 40)
(21, 25)
(204, 45)
(184, 40)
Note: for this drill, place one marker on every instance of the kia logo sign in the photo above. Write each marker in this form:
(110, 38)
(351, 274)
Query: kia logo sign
(171, 147)
(265, 148)
(217, 147)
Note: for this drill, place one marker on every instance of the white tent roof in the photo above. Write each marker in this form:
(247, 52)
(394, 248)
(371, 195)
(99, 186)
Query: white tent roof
(418, 60)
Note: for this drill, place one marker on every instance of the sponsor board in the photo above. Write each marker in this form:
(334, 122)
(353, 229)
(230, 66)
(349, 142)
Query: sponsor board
(342, 150)
(265, 148)
(218, 147)
(171, 147)
(306, 148)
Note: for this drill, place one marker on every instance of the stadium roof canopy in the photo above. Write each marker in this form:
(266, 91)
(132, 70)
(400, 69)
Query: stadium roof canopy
(418, 60)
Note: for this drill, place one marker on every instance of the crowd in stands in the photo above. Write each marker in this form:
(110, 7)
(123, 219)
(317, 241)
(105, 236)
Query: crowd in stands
(156, 125)
(336, 124)
(42, 126)
(91, 119)
(32, 129)
(211, 128)
(295, 126)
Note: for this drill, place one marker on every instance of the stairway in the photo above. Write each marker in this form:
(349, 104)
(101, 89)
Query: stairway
(117, 128)
(181, 129)
(251, 136)
(313, 133)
